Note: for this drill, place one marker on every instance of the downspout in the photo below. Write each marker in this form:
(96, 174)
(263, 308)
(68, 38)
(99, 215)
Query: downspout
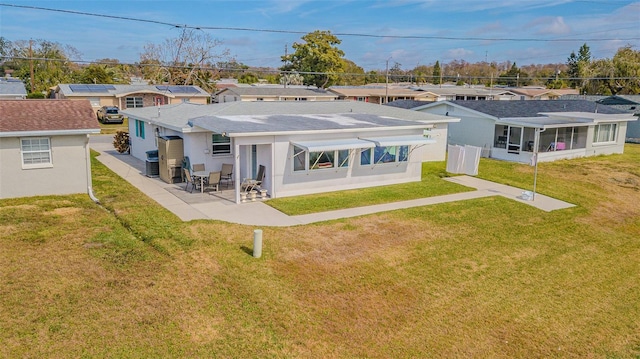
(88, 165)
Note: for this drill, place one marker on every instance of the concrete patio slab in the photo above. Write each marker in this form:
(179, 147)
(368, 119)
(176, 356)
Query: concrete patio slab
(220, 206)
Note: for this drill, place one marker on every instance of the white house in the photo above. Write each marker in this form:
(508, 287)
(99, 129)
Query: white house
(551, 129)
(306, 147)
(44, 147)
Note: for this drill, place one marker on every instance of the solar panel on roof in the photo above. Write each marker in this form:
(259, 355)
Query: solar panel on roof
(178, 89)
(91, 88)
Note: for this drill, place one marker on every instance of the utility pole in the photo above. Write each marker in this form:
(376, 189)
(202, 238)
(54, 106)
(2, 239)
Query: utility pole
(286, 77)
(31, 65)
(386, 88)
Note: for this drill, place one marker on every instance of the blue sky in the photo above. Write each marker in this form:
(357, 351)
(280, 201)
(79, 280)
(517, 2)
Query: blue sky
(470, 30)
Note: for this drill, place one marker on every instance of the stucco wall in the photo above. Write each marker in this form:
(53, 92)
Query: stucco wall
(68, 175)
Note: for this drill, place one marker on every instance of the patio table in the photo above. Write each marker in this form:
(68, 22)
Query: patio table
(202, 175)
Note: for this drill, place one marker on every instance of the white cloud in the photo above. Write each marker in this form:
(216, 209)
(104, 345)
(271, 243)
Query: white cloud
(458, 53)
(550, 25)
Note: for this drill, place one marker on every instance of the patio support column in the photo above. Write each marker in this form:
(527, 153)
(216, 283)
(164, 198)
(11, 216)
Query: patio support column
(236, 171)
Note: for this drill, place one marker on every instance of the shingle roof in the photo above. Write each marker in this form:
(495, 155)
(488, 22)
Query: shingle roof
(532, 108)
(46, 115)
(516, 108)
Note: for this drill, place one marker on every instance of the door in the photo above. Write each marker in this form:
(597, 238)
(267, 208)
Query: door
(515, 140)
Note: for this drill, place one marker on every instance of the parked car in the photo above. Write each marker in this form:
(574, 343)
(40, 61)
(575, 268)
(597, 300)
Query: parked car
(110, 114)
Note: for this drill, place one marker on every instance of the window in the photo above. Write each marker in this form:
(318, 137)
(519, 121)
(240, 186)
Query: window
(140, 129)
(36, 152)
(95, 101)
(318, 160)
(605, 132)
(221, 145)
(388, 154)
(186, 100)
(133, 102)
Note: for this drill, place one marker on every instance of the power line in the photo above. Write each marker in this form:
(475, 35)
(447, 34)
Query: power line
(277, 71)
(421, 37)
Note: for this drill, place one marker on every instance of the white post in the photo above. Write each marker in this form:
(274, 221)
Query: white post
(257, 243)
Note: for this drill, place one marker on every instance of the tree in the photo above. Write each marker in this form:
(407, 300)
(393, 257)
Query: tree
(50, 62)
(626, 64)
(318, 59)
(184, 60)
(577, 65)
(514, 77)
(437, 73)
(353, 74)
(291, 78)
(248, 78)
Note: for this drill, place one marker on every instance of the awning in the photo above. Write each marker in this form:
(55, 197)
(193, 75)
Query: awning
(400, 141)
(332, 145)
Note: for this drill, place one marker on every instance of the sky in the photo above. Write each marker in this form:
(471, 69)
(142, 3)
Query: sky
(372, 33)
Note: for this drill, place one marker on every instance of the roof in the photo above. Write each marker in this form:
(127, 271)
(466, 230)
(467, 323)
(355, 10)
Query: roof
(462, 90)
(118, 90)
(562, 119)
(620, 100)
(12, 87)
(377, 91)
(269, 116)
(271, 91)
(531, 108)
(69, 116)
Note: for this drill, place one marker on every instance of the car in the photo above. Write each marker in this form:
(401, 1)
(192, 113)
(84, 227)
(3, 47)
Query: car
(110, 114)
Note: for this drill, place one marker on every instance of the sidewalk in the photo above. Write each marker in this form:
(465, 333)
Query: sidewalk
(260, 214)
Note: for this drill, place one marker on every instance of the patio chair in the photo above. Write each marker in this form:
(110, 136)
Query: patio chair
(213, 181)
(226, 173)
(249, 184)
(189, 179)
(198, 167)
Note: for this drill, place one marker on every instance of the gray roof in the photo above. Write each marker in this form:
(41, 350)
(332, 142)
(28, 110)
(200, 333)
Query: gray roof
(282, 116)
(516, 108)
(532, 108)
(406, 104)
(118, 89)
(12, 87)
(271, 91)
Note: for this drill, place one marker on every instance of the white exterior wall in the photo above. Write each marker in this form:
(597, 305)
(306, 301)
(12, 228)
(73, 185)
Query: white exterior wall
(608, 148)
(68, 175)
(438, 150)
(281, 181)
(471, 130)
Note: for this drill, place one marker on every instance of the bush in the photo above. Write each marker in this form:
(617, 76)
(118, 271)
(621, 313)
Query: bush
(121, 141)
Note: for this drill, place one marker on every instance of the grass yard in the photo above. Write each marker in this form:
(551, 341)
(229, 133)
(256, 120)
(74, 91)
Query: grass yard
(488, 278)
(112, 128)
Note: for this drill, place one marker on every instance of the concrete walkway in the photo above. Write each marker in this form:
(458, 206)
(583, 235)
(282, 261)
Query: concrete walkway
(204, 206)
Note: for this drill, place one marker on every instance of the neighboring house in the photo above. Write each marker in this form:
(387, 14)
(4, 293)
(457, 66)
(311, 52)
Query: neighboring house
(629, 104)
(380, 94)
(515, 130)
(44, 147)
(12, 89)
(258, 93)
(306, 147)
(536, 93)
(130, 96)
(452, 93)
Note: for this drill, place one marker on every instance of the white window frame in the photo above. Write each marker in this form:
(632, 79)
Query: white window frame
(134, 101)
(220, 148)
(45, 160)
(339, 160)
(611, 133)
(388, 151)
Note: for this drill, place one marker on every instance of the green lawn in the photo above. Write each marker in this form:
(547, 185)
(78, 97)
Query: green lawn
(431, 185)
(487, 278)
